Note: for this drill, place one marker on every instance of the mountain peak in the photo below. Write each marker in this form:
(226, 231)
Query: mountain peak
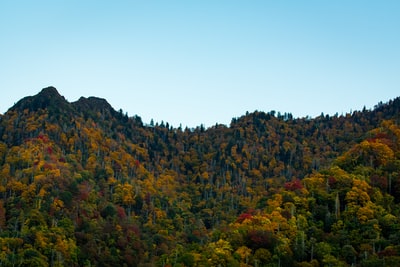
(49, 92)
(48, 98)
(93, 103)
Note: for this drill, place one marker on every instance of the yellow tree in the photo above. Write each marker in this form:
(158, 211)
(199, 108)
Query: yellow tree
(124, 194)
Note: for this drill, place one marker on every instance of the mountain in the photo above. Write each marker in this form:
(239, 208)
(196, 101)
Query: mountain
(83, 184)
(48, 98)
(94, 104)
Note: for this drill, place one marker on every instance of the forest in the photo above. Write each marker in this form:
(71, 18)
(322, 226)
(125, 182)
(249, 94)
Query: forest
(82, 184)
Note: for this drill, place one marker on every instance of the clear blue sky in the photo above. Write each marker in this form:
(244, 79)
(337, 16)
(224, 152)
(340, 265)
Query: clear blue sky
(203, 61)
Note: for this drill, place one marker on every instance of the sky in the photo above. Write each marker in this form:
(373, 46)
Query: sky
(203, 61)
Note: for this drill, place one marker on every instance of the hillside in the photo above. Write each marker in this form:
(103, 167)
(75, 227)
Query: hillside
(82, 184)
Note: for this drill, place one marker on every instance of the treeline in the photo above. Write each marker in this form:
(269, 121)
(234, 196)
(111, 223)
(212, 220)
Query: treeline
(82, 184)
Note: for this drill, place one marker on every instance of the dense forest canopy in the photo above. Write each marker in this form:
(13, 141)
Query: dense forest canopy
(84, 185)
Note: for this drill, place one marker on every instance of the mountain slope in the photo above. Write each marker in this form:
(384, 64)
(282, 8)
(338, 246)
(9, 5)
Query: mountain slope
(82, 183)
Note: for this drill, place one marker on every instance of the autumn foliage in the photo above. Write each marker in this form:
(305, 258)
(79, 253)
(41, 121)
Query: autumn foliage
(84, 185)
